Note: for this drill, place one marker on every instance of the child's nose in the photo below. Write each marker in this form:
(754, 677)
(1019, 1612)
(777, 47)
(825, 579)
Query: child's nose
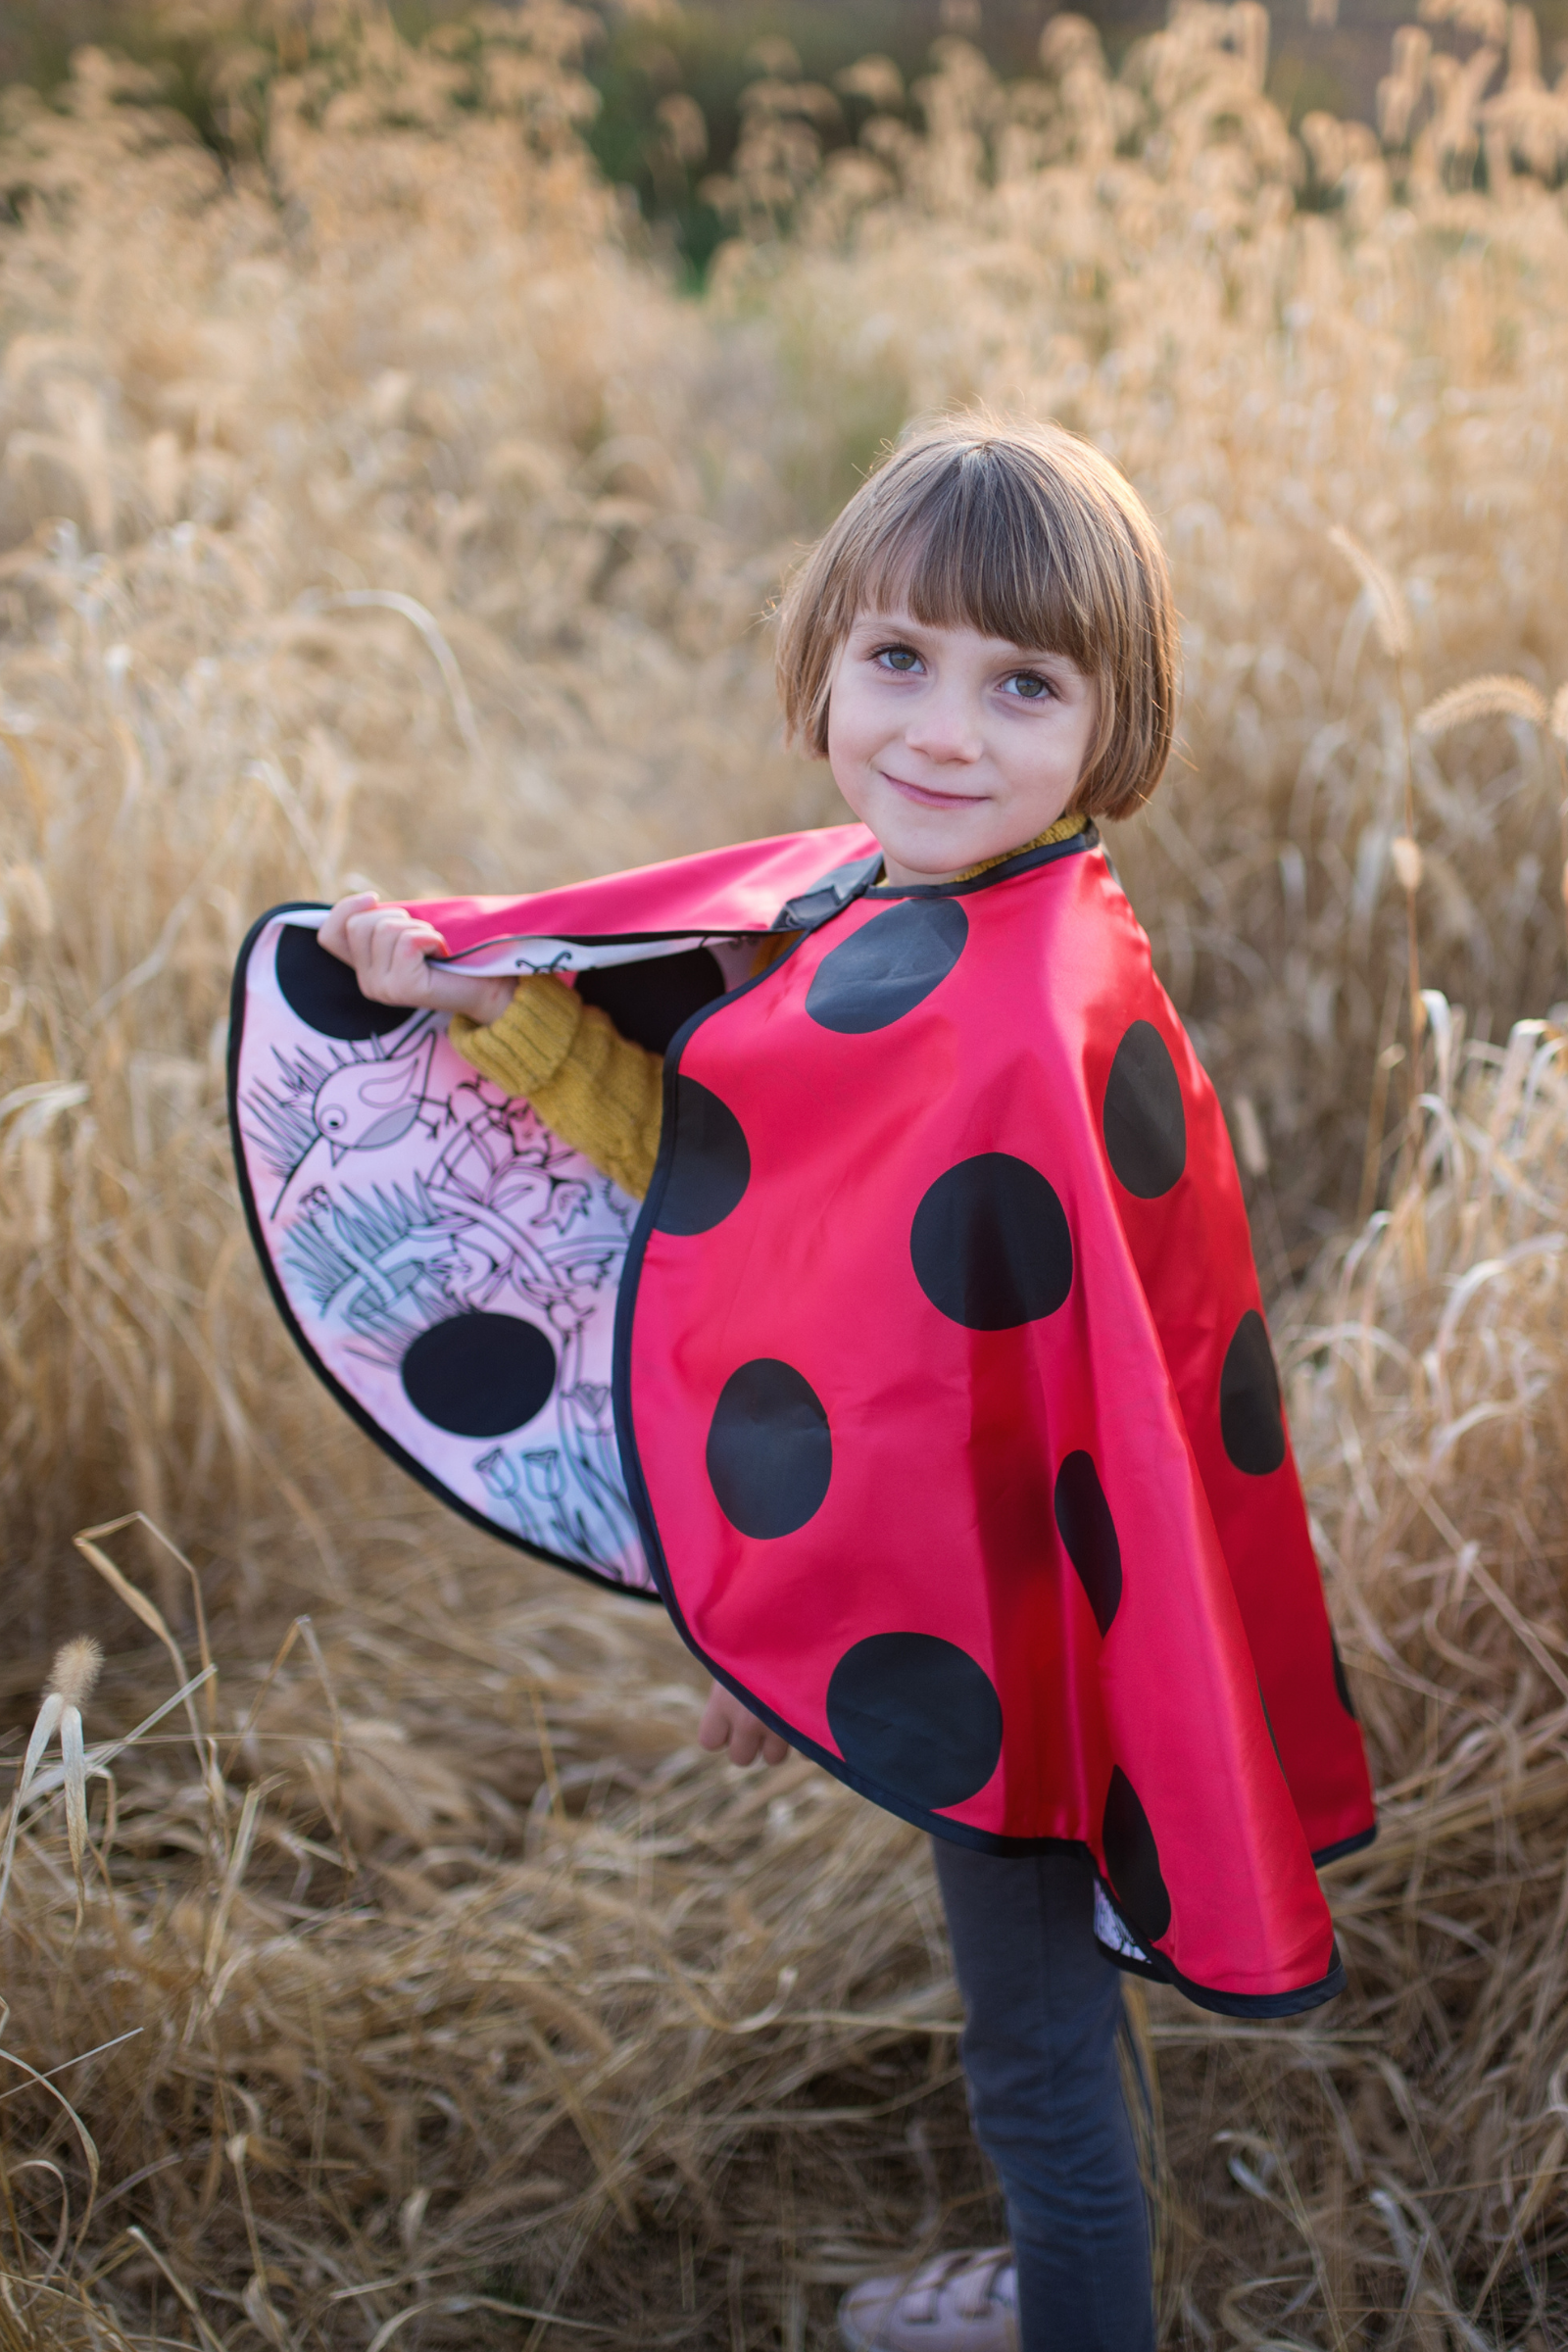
(946, 728)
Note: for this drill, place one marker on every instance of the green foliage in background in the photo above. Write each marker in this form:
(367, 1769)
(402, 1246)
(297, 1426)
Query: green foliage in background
(706, 55)
(670, 80)
(213, 60)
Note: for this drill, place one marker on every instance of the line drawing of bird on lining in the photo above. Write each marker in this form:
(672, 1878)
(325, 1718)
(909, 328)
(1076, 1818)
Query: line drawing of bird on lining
(365, 1106)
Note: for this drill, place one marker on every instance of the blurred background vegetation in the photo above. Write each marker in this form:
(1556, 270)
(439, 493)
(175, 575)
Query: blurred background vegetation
(380, 501)
(646, 59)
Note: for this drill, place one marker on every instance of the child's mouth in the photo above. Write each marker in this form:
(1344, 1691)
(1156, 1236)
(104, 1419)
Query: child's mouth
(924, 798)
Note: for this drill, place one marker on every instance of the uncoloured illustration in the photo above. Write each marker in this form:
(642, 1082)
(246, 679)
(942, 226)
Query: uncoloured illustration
(448, 1261)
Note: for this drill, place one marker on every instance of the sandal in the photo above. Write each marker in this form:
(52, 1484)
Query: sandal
(958, 2303)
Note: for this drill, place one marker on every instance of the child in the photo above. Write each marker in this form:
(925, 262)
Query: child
(943, 1396)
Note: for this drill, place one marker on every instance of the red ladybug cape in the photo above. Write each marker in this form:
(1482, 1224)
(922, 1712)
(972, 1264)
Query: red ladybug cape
(943, 1394)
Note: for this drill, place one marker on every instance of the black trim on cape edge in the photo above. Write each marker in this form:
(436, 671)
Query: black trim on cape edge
(568, 938)
(957, 1832)
(1155, 1969)
(1344, 1846)
(351, 1405)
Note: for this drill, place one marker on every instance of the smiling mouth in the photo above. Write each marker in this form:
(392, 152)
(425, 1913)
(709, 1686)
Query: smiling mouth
(923, 797)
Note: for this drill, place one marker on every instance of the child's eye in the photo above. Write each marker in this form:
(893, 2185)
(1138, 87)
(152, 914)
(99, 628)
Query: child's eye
(900, 658)
(1029, 688)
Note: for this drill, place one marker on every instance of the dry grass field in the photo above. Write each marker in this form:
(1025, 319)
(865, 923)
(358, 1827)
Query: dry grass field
(380, 507)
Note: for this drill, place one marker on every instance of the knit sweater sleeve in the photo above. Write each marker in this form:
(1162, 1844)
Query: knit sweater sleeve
(597, 1090)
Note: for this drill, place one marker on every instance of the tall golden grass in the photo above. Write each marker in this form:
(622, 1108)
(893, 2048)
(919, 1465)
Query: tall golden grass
(382, 509)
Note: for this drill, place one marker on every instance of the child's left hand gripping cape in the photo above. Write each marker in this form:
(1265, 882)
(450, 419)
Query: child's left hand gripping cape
(929, 1388)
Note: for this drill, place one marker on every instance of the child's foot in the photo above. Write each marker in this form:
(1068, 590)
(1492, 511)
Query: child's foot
(958, 2303)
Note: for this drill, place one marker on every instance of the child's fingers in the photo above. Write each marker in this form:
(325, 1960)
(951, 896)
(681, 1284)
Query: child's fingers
(746, 1740)
(374, 932)
(334, 932)
(713, 1732)
(402, 953)
(388, 948)
(408, 967)
(374, 939)
(727, 1724)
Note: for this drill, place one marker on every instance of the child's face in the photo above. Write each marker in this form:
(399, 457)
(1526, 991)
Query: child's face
(953, 747)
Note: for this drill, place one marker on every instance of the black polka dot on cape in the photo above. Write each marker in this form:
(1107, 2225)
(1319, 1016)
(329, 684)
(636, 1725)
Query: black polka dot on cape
(479, 1375)
(1133, 1860)
(888, 968)
(916, 1716)
(322, 991)
(1144, 1120)
(1250, 1421)
(1089, 1531)
(770, 1450)
(712, 1164)
(989, 1243)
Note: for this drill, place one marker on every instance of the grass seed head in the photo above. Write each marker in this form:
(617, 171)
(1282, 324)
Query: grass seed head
(1495, 697)
(1405, 854)
(78, 1665)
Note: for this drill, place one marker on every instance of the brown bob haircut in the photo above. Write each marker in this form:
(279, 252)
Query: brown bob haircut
(1023, 532)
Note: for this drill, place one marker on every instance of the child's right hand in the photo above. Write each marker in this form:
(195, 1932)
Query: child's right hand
(727, 1724)
(389, 948)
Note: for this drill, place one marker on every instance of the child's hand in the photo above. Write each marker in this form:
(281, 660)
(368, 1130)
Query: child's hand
(388, 949)
(727, 1724)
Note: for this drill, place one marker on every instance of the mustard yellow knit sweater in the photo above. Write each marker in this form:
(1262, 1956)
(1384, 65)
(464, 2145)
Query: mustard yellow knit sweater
(597, 1090)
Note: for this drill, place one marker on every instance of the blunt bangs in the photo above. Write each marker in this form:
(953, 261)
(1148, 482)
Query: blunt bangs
(1021, 533)
(974, 550)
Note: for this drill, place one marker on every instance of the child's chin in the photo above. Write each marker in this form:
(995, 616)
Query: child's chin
(932, 859)
(922, 836)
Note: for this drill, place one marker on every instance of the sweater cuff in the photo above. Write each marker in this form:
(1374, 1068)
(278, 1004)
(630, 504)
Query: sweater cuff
(525, 1047)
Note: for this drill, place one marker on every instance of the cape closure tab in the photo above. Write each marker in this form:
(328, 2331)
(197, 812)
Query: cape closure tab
(828, 896)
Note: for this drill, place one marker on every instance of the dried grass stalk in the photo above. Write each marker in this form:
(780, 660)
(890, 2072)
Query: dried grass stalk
(1390, 615)
(76, 1668)
(1482, 698)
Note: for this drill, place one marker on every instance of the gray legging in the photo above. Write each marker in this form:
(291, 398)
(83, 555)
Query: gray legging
(1041, 2007)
